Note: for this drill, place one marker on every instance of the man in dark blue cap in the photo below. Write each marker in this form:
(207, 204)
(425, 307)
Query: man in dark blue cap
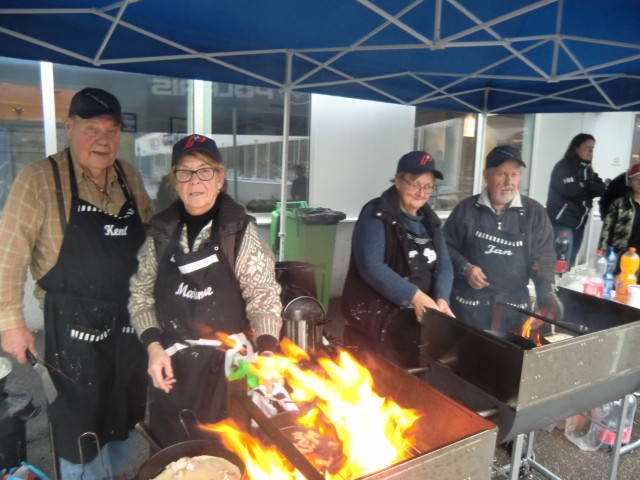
(76, 220)
(498, 241)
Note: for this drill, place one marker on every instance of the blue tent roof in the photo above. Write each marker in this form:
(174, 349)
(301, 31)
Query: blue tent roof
(499, 56)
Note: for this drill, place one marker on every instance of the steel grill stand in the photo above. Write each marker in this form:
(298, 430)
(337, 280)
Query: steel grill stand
(451, 442)
(522, 389)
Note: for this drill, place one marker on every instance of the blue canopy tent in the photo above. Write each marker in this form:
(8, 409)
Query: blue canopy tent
(499, 56)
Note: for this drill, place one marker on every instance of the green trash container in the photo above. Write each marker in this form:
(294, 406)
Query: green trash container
(311, 237)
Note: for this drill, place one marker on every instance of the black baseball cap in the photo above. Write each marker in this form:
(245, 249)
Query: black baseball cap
(195, 142)
(418, 162)
(94, 102)
(501, 154)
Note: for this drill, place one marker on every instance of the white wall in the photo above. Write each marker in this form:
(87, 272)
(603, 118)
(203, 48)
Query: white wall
(355, 146)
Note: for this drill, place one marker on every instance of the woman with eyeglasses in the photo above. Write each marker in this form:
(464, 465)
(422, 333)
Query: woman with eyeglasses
(203, 269)
(399, 265)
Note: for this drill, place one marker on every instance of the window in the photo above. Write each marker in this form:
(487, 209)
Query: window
(247, 124)
(154, 112)
(450, 139)
(514, 130)
(21, 124)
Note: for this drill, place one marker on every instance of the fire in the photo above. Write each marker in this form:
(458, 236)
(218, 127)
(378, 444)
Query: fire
(531, 330)
(368, 432)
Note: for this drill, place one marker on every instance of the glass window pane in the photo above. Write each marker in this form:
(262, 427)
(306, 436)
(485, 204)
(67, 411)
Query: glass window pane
(21, 123)
(514, 130)
(247, 125)
(154, 110)
(450, 139)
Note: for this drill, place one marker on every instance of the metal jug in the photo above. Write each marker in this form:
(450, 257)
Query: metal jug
(303, 318)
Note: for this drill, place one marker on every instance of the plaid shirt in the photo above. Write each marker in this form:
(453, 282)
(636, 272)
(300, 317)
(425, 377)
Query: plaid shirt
(30, 230)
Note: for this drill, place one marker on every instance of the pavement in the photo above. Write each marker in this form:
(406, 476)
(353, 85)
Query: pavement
(551, 448)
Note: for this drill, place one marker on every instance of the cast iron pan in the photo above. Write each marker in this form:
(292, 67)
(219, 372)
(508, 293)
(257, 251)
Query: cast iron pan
(155, 464)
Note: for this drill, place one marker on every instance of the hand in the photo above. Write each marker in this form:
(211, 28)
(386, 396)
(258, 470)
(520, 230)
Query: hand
(420, 302)
(160, 369)
(16, 341)
(443, 306)
(550, 306)
(476, 278)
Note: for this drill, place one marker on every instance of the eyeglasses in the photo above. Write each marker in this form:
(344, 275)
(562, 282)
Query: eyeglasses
(417, 188)
(204, 174)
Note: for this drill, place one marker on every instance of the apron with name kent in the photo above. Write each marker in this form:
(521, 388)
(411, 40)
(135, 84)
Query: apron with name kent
(197, 294)
(503, 257)
(88, 336)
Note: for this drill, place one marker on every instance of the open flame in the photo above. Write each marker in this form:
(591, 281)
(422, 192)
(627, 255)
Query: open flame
(531, 330)
(372, 432)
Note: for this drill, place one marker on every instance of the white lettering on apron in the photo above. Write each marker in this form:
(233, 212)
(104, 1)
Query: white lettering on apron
(111, 231)
(193, 294)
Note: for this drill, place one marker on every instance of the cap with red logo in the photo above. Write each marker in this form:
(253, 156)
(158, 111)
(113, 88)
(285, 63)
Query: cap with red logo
(633, 171)
(195, 142)
(418, 162)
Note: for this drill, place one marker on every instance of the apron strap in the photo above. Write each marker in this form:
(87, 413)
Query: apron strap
(59, 196)
(123, 183)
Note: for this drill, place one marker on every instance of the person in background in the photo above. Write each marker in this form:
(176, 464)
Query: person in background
(498, 240)
(299, 185)
(203, 269)
(399, 265)
(621, 224)
(76, 219)
(572, 188)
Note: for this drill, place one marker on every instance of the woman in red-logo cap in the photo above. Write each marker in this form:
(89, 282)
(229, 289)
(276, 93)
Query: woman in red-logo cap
(399, 265)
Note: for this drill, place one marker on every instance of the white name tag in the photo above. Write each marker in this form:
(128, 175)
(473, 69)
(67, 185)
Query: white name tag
(204, 263)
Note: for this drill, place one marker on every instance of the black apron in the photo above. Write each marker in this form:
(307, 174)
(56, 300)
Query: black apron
(402, 336)
(197, 294)
(504, 259)
(87, 331)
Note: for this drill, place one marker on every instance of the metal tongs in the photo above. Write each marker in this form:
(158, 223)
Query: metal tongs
(572, 327)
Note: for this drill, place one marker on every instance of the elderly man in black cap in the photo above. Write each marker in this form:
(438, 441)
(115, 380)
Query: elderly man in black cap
(76, 220)
(498, 241)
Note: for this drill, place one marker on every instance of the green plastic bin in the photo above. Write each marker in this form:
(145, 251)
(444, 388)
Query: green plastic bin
(311, 237)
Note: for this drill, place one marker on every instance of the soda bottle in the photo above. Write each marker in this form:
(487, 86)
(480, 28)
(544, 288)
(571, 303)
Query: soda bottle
(608, 278)
(608, 415)
(629, 263)
(594, 284)
(561, 246)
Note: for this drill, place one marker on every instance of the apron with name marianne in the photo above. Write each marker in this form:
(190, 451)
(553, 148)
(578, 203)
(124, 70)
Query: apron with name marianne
(197, 295)
(88, 336)
(503, 257)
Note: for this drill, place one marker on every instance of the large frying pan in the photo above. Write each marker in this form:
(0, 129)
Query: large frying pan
(155, 464)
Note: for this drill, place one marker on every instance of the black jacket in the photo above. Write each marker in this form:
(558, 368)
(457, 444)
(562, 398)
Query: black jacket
(568, 202)
(362, 305)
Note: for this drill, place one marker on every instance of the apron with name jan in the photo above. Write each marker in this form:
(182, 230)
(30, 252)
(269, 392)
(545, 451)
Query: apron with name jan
(503, 257)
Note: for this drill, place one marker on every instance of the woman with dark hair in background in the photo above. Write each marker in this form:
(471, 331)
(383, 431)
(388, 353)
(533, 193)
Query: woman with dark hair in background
(572, 188)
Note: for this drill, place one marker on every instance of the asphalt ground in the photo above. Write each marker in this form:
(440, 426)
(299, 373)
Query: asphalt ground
(551, 448)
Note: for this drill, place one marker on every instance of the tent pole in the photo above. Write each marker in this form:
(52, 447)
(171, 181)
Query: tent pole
(285, 154)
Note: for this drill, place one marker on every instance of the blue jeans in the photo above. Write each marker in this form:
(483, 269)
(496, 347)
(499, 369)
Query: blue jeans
(575, 240)
(114, 456)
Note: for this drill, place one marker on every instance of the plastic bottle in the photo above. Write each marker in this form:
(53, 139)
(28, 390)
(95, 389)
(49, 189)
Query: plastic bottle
(608, 278)
(594, 285)
(608, 415)
(561, 246)
(629, 263)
